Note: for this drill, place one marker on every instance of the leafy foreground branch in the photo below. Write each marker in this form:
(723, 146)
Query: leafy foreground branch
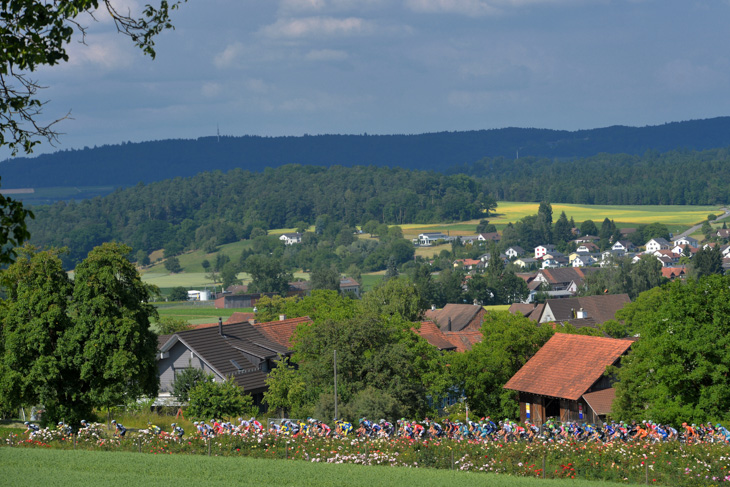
(665, 464)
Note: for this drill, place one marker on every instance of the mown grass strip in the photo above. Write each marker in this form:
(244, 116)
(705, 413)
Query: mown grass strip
(22, 467)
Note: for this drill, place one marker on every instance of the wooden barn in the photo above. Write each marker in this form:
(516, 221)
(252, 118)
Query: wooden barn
(565, 379)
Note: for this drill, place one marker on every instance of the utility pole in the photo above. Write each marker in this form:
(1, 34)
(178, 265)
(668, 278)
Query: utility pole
(336, 384)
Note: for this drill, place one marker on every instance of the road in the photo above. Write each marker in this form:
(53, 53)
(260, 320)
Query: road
(697, 227)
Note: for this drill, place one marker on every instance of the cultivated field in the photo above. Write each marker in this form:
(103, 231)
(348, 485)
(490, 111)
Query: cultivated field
(22, 467)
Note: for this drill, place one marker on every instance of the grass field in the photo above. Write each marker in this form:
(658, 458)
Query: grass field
(22, 467)
(196, 315)
(676, 217)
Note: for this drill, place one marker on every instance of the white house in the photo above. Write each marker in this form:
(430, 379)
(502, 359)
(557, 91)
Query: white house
(584, 260)
(514, 251)
(543, 249)
(623, 245)
(587, 248)
(291, 238)
(692, 242)
(657, 244)
(427, 239)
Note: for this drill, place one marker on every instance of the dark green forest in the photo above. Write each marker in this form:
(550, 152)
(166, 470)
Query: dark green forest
(215, 208)
(129, 163)
(678, 177)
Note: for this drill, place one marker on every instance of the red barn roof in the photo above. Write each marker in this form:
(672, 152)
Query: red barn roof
(567, 365)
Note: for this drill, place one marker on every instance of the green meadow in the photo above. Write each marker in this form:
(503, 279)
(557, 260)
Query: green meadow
(61, 468)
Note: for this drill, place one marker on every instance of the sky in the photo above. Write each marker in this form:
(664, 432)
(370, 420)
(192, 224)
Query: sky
(294, 67)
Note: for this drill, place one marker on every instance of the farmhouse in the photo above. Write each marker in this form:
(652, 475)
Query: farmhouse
(238, 350)
(457, 317)
(291, 238)
(565, 379)
(600, 308)
(427, 239)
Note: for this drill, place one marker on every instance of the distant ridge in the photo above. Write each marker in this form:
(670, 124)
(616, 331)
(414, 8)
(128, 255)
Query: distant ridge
(130, 163)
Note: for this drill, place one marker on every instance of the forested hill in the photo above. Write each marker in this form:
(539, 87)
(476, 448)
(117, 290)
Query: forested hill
(216, 208)
(129, 163)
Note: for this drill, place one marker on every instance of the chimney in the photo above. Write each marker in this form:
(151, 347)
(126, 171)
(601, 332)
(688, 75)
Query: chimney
(220, 326)
(448, 326)
(251, 321)
(433, 307)
(282, 317)
(572, 312)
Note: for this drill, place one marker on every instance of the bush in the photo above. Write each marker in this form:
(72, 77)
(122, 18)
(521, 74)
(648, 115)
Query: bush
(178, 293)
(188, 379)
(219, 400)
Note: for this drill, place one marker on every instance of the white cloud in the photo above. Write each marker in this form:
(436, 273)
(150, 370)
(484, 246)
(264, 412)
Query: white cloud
(257, 86)
(211, 90)
(317, 27)
(228, 57)
(326, 55)
(105, 51)
(475, 8)
(288, 6)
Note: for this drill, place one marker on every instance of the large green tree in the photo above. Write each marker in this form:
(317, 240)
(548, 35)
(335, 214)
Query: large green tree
(679, 369)
(509, 340)
(110, 343)
(34, 319)
(268, 275)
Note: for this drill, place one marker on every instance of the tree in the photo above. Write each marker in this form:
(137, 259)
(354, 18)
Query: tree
(588, 228)
(111, 332)
(485, 227)
(510, 340)
(325, 278)
(286, 388)
(229, 274)
(34, 321)
(562, 231)
(678, 370)
(267, 275)
(186, 380)
(76, 346)
(706, 261)
(168, 325)
(172, 264)
(178, 293)
(210, 399)
(544, 227)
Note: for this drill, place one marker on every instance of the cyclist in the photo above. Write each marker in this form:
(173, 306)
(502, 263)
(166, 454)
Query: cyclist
(177, 431)
(119, 428)
(32, 428)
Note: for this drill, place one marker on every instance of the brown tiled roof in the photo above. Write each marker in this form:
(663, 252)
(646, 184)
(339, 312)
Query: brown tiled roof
(521, 308)
(567, 365)
(526, 276)
(601, 307)
(601, 401)
(461, 315)
(239, 317)
(281, 331)
(672, 272)
(231, 354)
(161, 340)
(431, 333)
(537, 312)
(464, 340)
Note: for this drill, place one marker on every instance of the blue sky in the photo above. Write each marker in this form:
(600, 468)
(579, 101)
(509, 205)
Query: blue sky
(290, 67)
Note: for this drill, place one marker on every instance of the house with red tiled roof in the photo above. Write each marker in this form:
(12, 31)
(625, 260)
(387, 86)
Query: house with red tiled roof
(565, 379)
(464, 340)
(281, 331)
(673, 273)
(433, 335)
(457, 317)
